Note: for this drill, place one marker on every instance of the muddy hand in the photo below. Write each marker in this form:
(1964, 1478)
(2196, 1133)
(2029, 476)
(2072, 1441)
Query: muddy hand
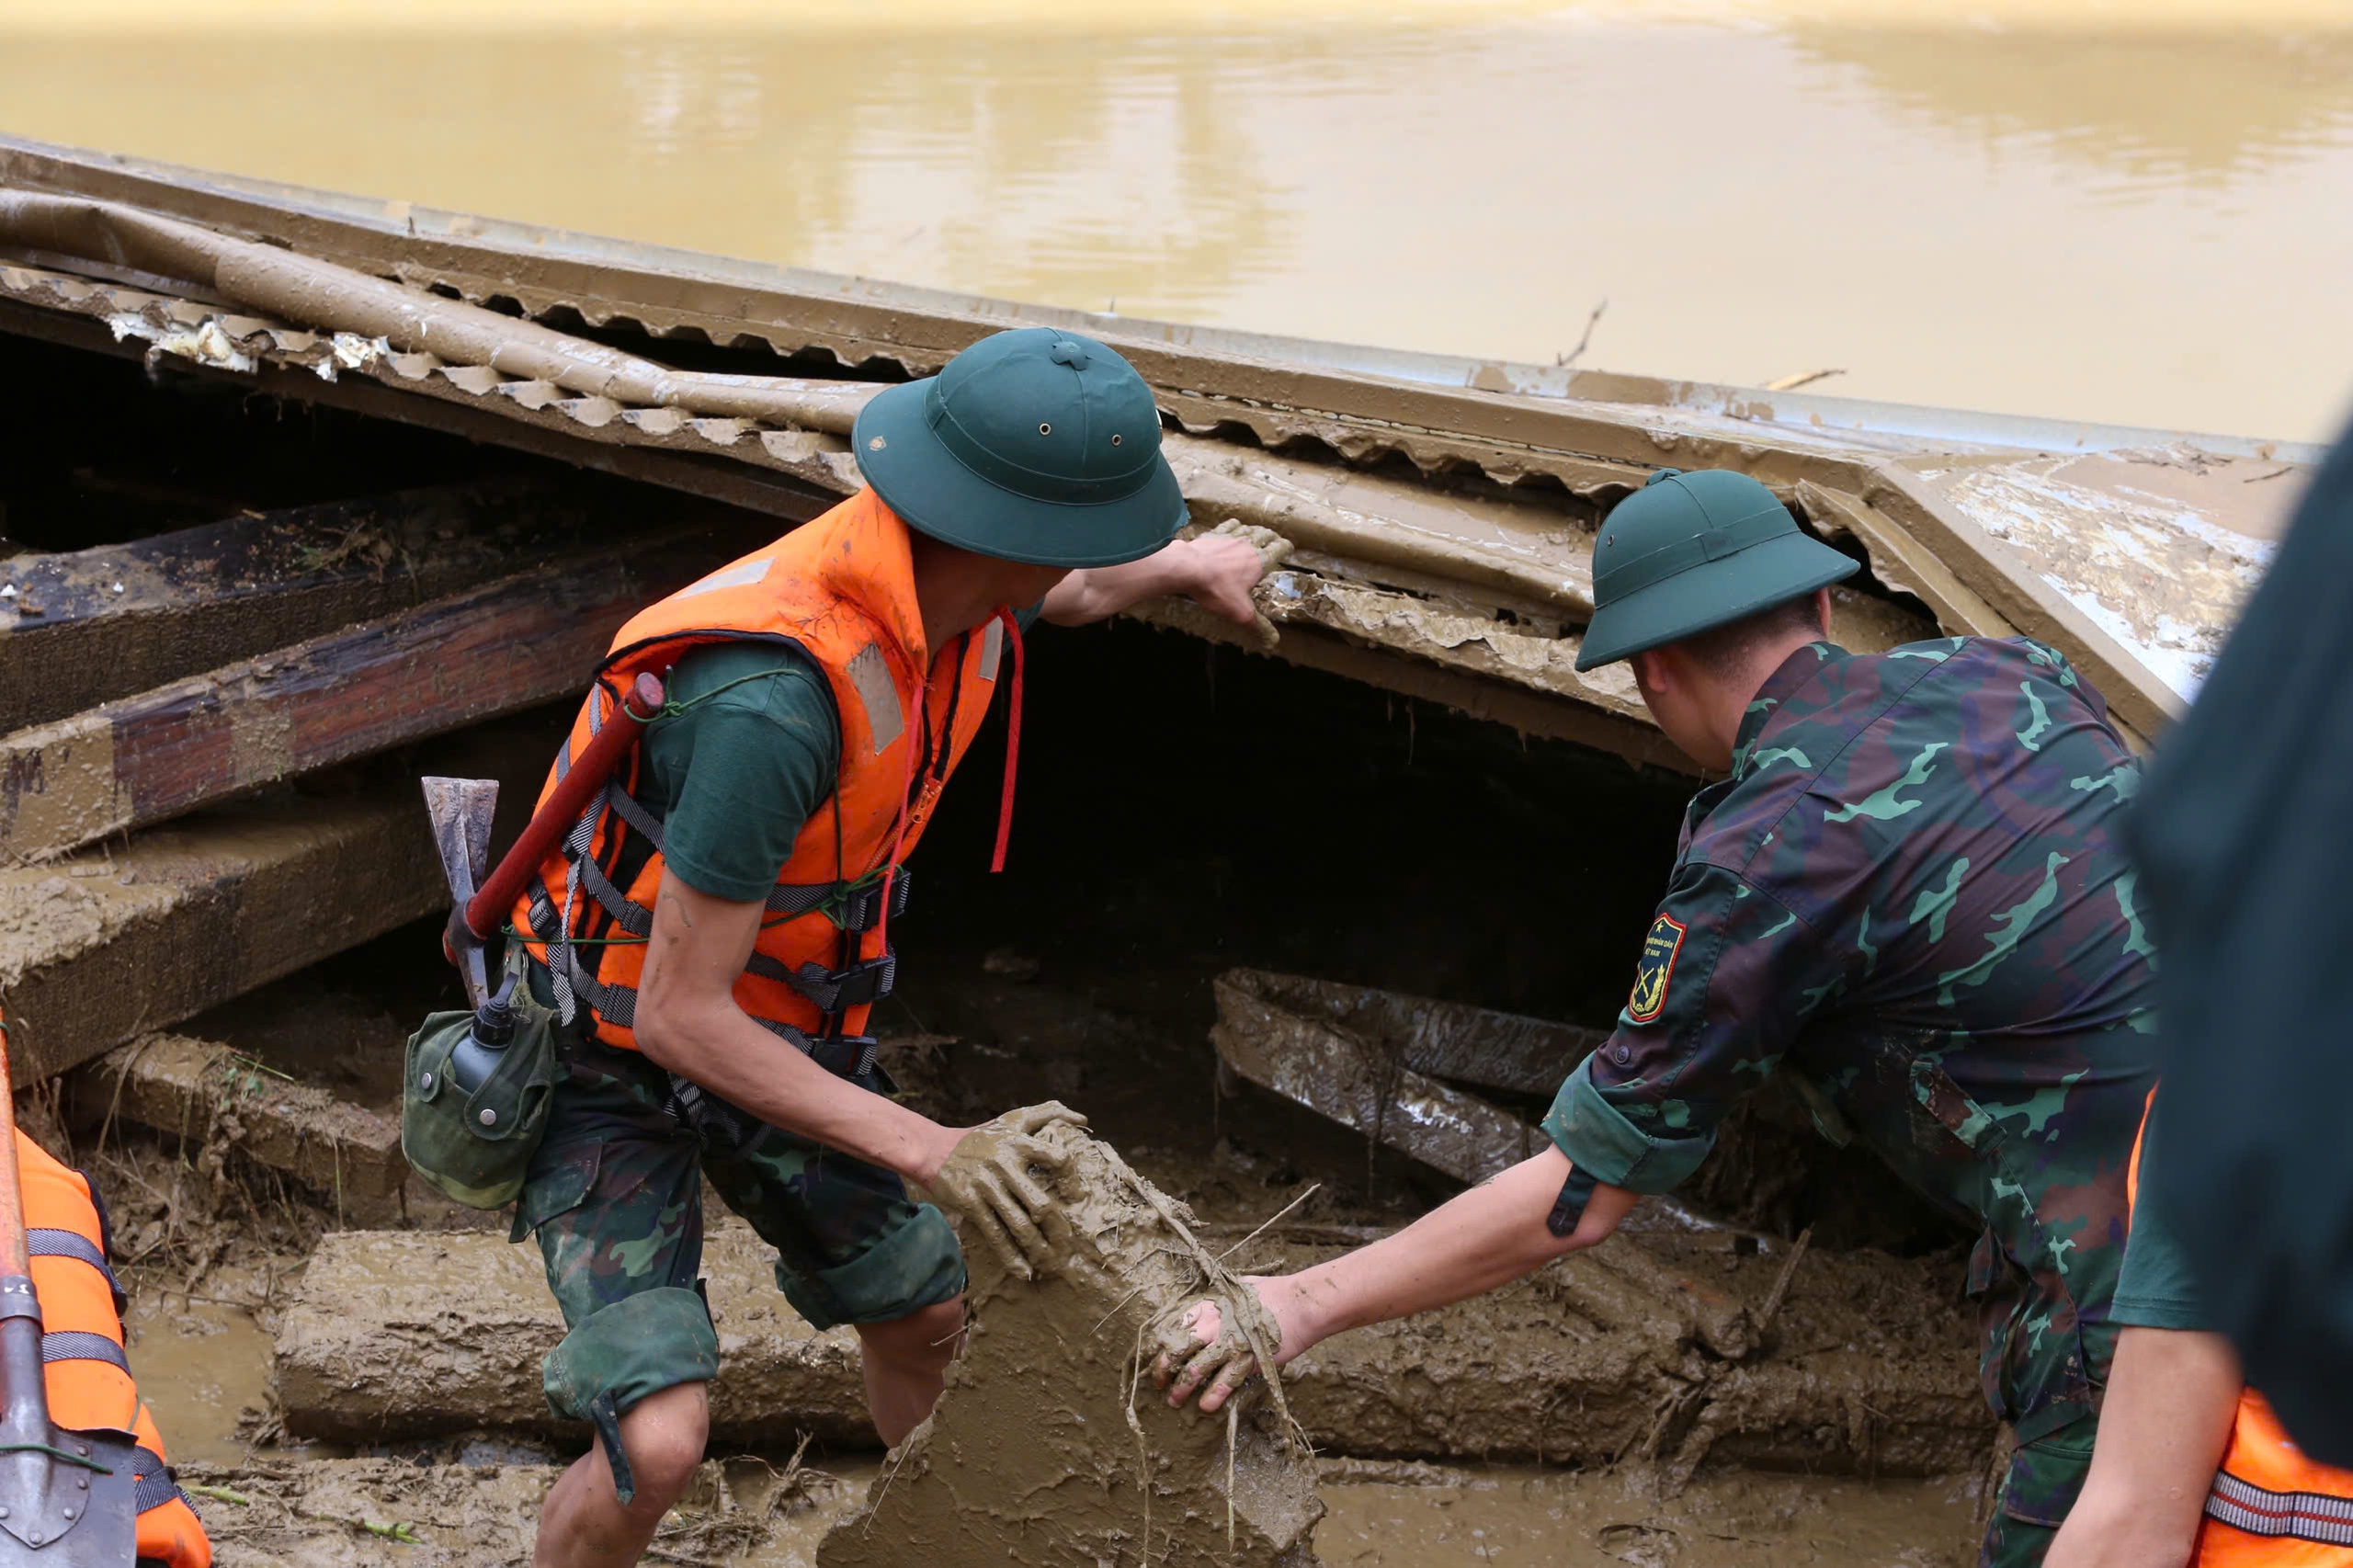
(1232, 559)
(986, 1181)
(1207, 1350)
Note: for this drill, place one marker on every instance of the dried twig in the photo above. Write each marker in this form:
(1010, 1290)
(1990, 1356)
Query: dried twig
(1574, 355)
(1801, 378)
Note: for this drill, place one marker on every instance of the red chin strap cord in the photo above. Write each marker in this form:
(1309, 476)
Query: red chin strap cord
(1005, 806)
(1012, 744)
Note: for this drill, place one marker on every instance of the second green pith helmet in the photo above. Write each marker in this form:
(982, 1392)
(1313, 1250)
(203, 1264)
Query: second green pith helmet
(1033, 445)
(1688, 552)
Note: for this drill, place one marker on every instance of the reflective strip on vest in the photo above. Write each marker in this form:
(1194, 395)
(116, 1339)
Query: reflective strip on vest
(2299, 1515)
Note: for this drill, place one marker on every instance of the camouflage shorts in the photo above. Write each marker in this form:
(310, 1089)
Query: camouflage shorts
(2044, 1480)
(615, 1196)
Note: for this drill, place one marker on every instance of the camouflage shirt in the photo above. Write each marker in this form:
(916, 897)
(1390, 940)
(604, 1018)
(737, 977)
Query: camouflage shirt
(1911, 894)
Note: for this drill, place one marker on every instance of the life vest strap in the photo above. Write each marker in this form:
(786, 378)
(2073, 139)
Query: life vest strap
(629, 915)
(834, 990)
(41, 1241)
(640, 816)
(2299, 1516)
(79, 1344)
(151, 1484)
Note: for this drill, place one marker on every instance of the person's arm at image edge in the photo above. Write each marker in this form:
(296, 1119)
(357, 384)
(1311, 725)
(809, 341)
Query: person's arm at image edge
(2171, 1397)
(2173, 1389)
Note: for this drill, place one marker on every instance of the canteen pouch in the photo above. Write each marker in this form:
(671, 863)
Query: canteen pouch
(476, 1147)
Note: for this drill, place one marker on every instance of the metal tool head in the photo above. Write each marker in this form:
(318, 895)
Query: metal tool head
(75, 1506)
(460, 809)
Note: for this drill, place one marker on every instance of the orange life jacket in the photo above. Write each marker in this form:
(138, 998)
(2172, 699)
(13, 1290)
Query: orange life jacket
(842, 589)
(84, 1368)
(2269, 1506)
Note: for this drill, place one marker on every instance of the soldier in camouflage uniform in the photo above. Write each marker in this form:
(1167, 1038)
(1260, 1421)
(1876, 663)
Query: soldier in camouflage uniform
(1910, 895)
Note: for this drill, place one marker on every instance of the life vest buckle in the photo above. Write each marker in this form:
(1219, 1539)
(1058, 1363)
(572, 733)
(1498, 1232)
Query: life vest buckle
(858, 984)
(862, 903)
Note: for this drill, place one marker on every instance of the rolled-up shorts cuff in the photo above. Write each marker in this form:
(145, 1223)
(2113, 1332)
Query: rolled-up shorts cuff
(637, 1347)
(913, 1265)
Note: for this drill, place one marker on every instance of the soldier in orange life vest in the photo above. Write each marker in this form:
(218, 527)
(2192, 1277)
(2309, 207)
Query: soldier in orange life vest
(713, 934)
(86, 1373)
(2191, 1466)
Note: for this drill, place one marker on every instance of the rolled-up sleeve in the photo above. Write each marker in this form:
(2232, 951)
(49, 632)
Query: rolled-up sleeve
(1728, 975)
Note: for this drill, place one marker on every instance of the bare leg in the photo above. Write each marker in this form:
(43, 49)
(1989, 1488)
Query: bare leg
(583, 1524)
(906, 1365)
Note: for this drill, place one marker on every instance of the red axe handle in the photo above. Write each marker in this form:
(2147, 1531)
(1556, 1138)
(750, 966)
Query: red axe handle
(488, 909)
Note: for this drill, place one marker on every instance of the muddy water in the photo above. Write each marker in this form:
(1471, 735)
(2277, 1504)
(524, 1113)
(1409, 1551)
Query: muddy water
(202, 1363)
(2130, 213)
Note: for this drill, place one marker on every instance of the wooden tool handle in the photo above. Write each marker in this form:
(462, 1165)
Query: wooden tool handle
(12, 1260)
(487, 909)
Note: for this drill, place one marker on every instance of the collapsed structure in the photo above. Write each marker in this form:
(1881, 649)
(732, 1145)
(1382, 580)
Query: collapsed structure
(520, 436)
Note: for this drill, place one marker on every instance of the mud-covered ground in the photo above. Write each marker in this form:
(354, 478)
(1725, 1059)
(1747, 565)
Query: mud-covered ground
(214, 1249)
(1170, 826)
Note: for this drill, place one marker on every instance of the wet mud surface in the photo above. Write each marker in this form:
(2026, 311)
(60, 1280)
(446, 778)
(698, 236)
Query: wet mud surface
(478, 1508)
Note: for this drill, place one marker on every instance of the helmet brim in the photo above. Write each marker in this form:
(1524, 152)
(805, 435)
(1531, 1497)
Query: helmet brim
(1766, 574)
(932, 492)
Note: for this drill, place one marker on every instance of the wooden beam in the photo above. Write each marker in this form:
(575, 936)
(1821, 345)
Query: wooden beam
(519, 642)
(85, 626)
(103, 948)
(398, 1334)
(347, 1154)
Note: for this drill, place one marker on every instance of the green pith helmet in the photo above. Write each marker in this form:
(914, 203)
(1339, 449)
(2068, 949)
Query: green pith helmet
(1691, 552)
(1033, 445)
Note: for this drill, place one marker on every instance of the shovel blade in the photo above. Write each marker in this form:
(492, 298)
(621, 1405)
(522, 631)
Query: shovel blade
(460, 811)
(61, 1514)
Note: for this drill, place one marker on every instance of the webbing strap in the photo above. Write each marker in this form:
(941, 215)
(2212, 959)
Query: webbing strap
(633, 810)
(79, 1344)
(631, 916)
(799, 898)
(2299, 1516)
(833, 990)
(575, 851)
(43, 1241)
(152, 1482)
(616, 1005)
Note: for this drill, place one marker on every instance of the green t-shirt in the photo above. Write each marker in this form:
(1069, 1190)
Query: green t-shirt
(2155, 1290)
(736, 775)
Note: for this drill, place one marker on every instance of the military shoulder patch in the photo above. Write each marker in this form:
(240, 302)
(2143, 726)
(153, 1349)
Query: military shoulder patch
(1656, 968)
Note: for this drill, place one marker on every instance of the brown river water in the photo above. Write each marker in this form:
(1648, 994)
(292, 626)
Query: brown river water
(2139, 214)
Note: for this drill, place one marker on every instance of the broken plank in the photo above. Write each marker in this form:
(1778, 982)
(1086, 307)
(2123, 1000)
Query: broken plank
(1445, 1040)
(84, 626)
(493, 650)
(101, 948)
(1338, 1070)
(348, 1155)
